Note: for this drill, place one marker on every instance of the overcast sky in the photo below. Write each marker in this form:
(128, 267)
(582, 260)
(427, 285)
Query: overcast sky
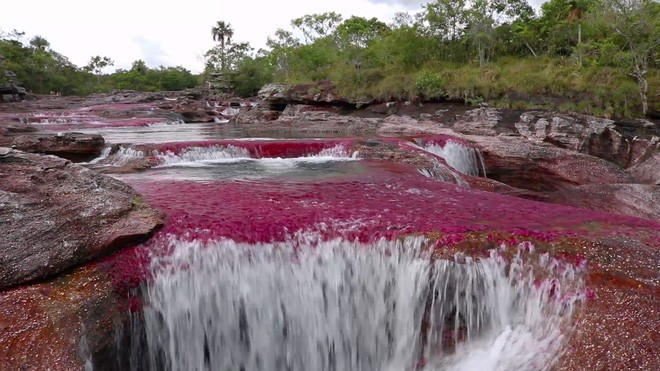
(169, 33)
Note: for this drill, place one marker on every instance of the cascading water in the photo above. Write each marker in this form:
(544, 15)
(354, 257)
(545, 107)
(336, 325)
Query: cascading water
(120, 157)
(464, 159)
(204, 154)
(338, 305)
(200, 156)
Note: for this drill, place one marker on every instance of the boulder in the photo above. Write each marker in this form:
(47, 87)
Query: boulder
(318, 94)
(55, 215)
(57, 324)
(10, 89)
(543, 167)
(480, 121)
(71, 146)
(647, 171)
(620, 142)
(640, 200)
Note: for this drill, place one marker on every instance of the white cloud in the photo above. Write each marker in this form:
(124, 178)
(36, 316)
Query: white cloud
(168, 33)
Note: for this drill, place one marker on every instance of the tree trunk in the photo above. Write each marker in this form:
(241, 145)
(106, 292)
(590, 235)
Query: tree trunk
(643, 91)
(641, 66)
(531, 50)
(579, 43)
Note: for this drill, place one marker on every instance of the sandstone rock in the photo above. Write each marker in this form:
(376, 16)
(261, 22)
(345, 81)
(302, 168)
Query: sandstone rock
(480, 121)
(72, 146)
(648, 170)
(260, 114)
(640, 200)
(399, 151)
(55, 215)
(620, 142)
(295, 110)
(543, 167)
(195, 115)
(319, 93)
(53, 325)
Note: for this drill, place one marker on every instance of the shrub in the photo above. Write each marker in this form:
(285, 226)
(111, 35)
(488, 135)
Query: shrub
(429, 84)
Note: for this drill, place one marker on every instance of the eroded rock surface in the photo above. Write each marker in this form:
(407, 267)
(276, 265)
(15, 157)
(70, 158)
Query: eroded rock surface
(71, 146)
(595, 165)
(55, 215)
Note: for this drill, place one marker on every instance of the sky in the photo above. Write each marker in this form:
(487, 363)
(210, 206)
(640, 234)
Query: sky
(170, 33)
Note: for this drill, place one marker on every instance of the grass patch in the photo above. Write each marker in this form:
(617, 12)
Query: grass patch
(532, 83)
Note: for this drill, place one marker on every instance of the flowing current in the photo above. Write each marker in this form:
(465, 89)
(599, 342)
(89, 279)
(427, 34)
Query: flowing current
(464, 159)
(338, 305)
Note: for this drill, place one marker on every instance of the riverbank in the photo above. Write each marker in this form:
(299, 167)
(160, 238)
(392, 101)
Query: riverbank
(304, 161)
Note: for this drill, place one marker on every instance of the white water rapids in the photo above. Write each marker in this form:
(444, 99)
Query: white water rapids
(338, 305)
(464, 159)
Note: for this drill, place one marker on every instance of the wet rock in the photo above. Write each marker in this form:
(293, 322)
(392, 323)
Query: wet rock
(304, 120)
(194, 115)
(260, 114)
(399, 151)
(55, 324)
(56, 215)
(72, 146)
(544, 167)
(18, 128)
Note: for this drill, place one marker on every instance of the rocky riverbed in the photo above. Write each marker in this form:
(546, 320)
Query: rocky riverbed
(582, 189)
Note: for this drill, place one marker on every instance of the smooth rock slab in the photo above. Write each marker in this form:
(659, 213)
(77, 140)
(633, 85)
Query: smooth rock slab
(640, 200)
(72, 146)
(55, 215)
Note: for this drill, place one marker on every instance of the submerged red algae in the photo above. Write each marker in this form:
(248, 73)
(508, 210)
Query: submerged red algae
(385, 201)
(43, 325)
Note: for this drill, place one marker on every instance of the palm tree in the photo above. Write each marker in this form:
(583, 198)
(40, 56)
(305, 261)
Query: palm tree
(39, 43)
(222, 33)
(576, 12)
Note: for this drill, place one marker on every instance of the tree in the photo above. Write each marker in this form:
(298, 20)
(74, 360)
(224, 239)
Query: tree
(526, 32)
(39, 43)
(576, 12)
(282, 45)
(97, 64)
(315, 26)
(638, 23)
(446, 18)
(481, 23)
(359, 31)
(140, 67)
(226, 59)
(222, 33)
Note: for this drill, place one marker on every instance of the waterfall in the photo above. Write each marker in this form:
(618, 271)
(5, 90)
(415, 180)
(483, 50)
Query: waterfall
(464, 159)
(120, 157)
(201, 156)
(339, 305)
(190, 155)
(104, 154)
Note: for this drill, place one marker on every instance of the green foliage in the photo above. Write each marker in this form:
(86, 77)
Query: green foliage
(142, 78)
(315, 26)
(493, 50)
(42, 70)
(430, 84)
(592, 56)
(251, 74)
